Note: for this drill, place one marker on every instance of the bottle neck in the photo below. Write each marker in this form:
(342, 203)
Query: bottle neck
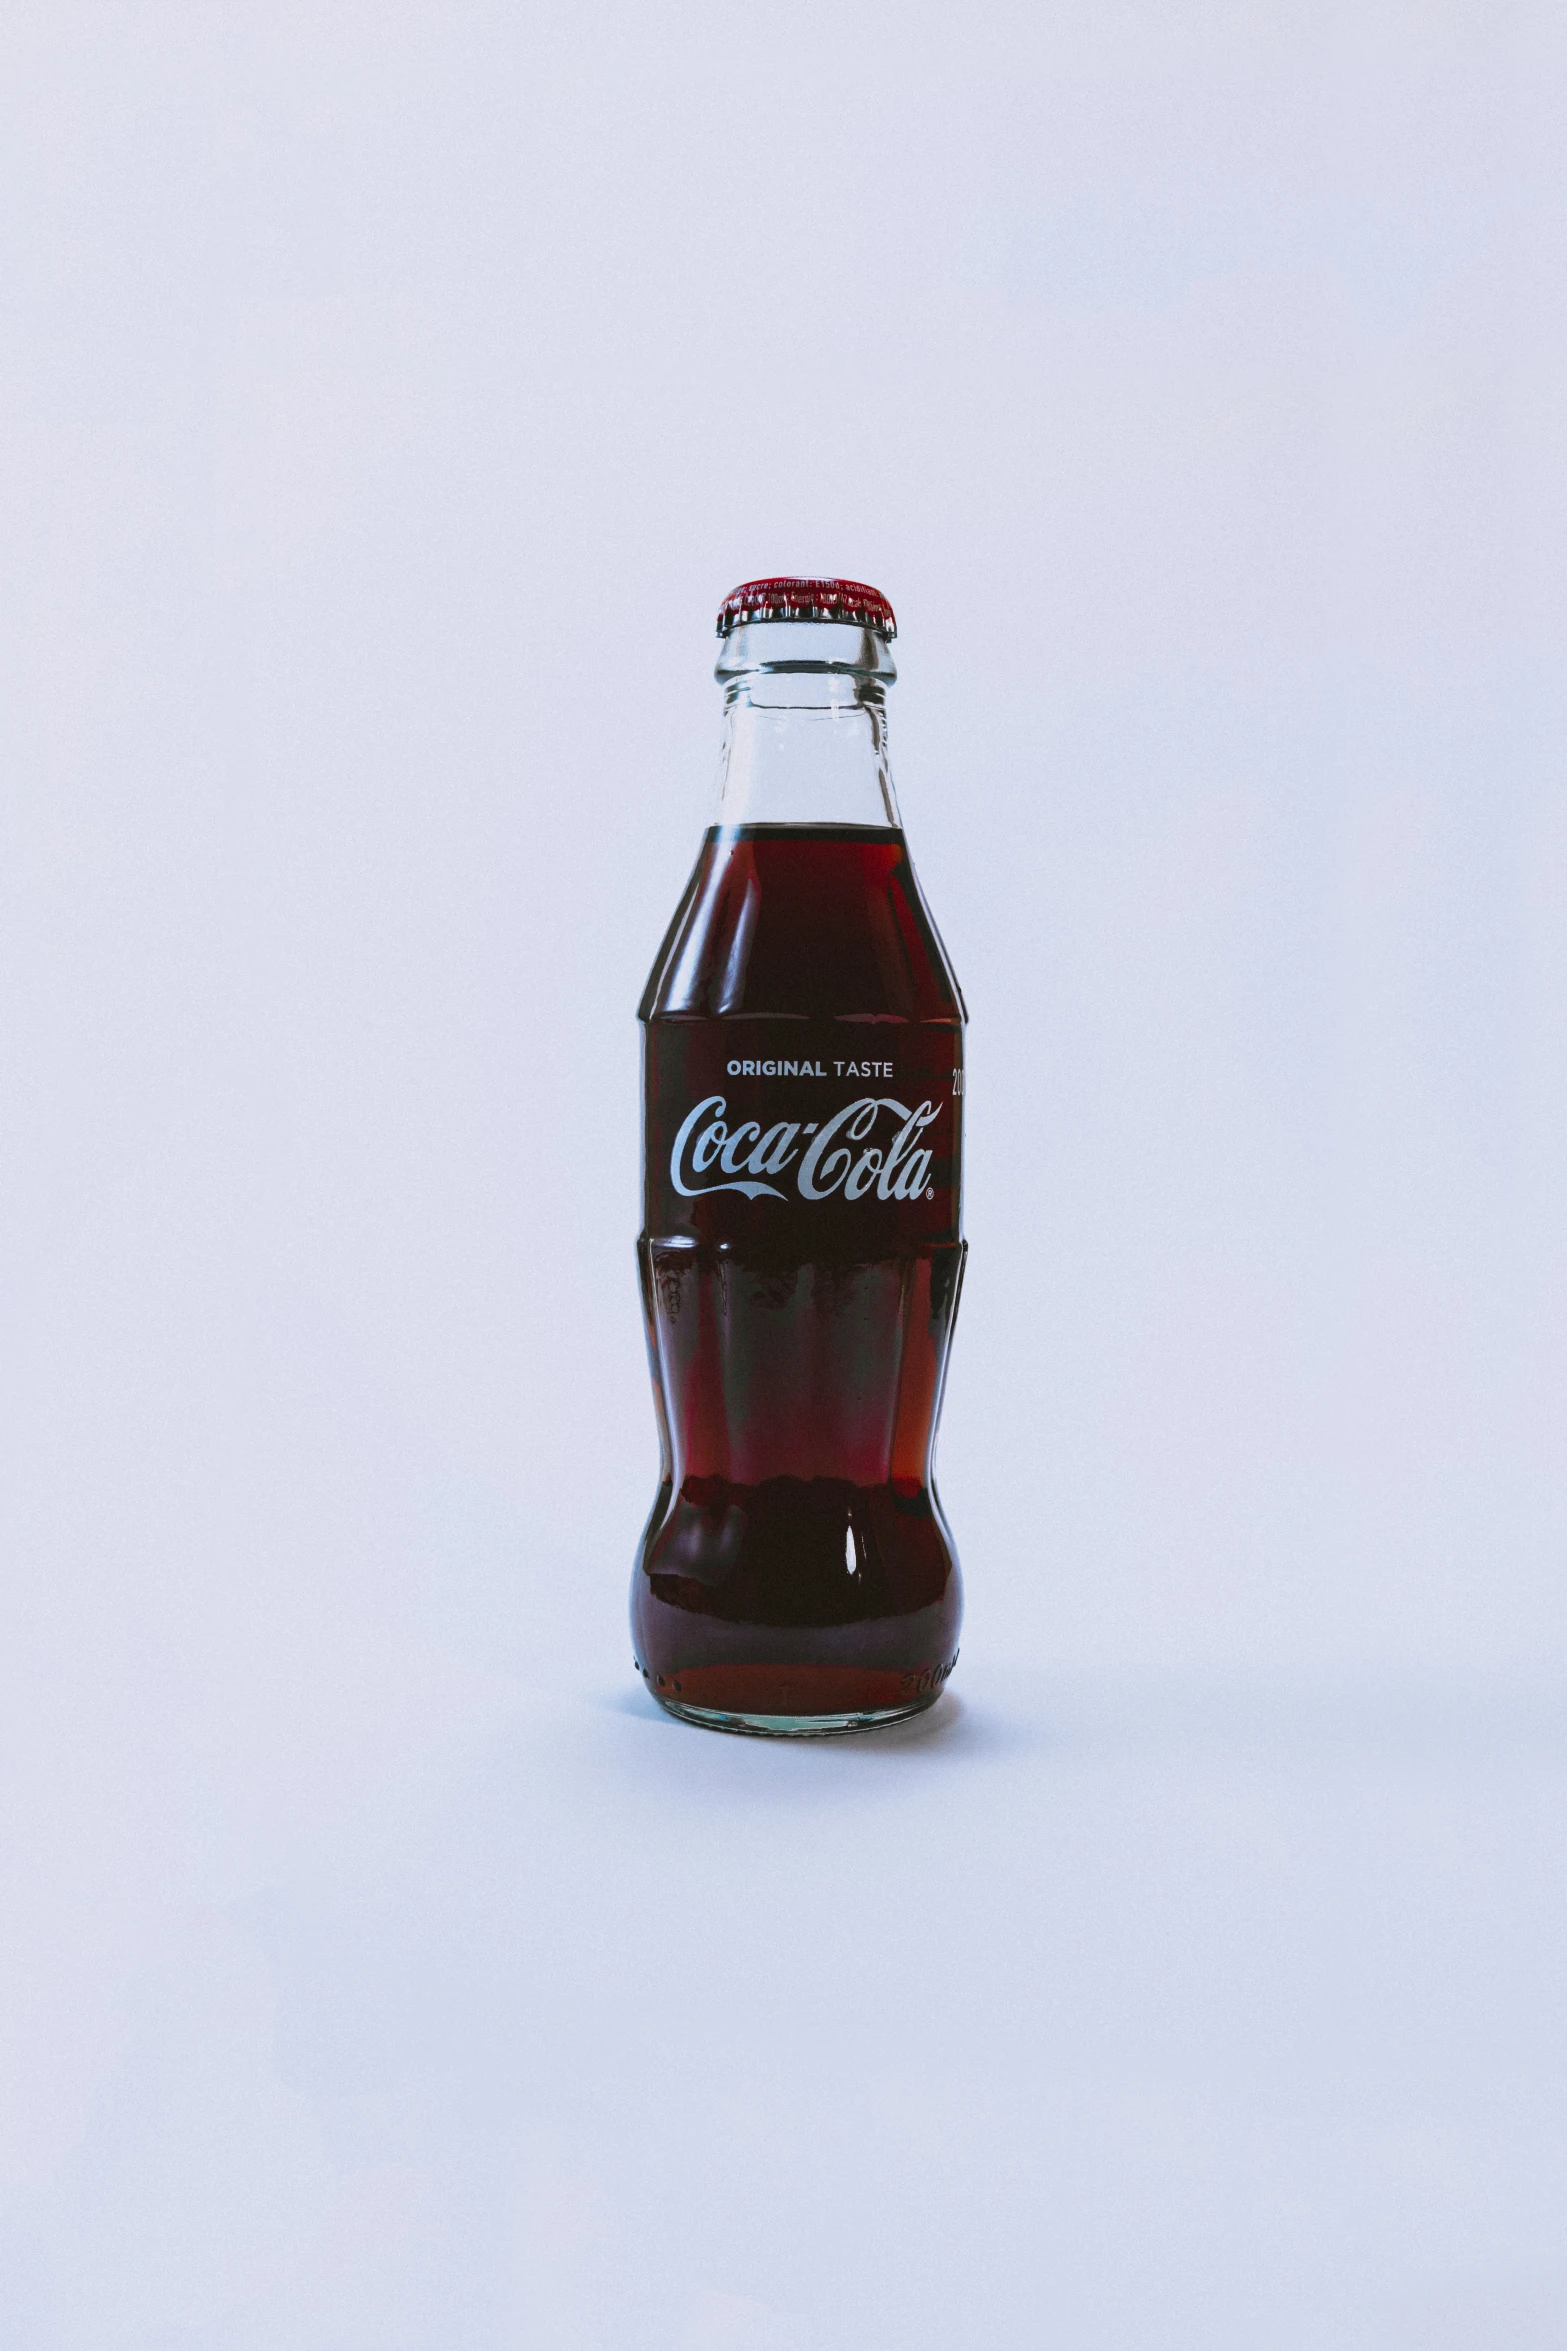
(805, 726)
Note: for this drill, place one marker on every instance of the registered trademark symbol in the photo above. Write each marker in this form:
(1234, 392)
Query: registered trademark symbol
(930, 1193)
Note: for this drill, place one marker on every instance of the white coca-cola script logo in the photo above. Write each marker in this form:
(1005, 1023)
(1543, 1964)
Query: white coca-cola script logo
(829, 1163)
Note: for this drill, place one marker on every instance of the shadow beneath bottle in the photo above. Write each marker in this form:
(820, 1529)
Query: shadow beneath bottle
(951, 1726)
(1088, 1720)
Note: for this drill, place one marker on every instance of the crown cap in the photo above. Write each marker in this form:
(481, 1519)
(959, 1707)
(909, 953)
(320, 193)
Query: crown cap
(848, 601)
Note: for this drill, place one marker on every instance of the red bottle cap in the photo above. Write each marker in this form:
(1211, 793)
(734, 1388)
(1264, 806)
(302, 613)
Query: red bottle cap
(787, 599)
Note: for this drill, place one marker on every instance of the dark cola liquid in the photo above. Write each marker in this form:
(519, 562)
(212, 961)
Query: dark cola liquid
(801, 1259)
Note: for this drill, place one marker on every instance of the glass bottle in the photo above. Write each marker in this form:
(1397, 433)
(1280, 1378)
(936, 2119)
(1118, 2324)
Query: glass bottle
(801, 1254)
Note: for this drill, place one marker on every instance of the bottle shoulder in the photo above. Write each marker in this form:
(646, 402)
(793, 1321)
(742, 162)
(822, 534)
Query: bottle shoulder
(784, 923)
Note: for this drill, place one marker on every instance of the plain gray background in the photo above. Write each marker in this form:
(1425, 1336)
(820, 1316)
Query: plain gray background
(390, 394)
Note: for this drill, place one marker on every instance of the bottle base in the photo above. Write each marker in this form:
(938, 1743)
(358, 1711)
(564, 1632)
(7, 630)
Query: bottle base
(793, 1726)
(821, 1699)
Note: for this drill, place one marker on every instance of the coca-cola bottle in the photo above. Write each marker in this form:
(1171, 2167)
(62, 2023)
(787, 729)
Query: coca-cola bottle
(801, 1251)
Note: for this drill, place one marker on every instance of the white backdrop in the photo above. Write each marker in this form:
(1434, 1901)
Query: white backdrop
(390, 394)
